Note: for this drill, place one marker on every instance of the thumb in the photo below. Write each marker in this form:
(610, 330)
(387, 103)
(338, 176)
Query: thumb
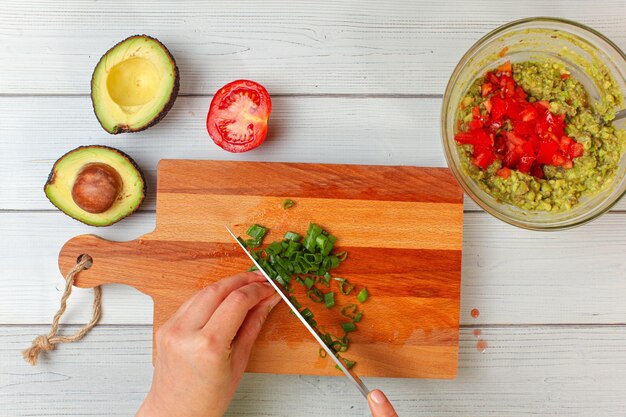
(380, 405)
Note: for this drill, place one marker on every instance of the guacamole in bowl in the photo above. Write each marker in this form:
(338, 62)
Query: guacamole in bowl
(543, 166)
(527, 123)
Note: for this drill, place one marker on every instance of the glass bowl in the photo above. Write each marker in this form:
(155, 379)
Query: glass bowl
(582, 50)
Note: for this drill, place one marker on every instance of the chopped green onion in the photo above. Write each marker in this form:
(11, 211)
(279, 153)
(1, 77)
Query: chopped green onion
(253, 243)
(349, 310)
(281, 281)
(307, 314)
(292, 236)
(345, 287)
(252, 268)
(362, 297)
(315, 295)
(358, 317)
(338, 346)
(348, 326)
(325, 280)
(348, 363)
(256, 232)
(329, 299)
(295, 302)
(308, 282)
(342, 256)
(274, 248)
(323, 353)
(288, 203)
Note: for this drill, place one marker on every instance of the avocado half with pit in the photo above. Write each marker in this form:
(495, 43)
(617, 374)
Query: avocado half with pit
(96, 185)
(134, 85)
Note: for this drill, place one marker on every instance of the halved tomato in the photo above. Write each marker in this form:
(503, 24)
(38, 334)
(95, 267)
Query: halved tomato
(237, 119)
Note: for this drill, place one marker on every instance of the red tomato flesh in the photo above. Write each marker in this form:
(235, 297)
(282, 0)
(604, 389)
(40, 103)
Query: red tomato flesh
(237, 119)
(533, 138)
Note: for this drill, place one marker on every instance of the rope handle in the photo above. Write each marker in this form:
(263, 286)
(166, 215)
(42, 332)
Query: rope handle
(45, 343)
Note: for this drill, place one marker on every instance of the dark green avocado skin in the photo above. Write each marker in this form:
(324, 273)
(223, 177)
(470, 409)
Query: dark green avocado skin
(125, 129)
(144, 190)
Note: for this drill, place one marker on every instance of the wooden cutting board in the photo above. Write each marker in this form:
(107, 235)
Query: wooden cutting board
(402, 227)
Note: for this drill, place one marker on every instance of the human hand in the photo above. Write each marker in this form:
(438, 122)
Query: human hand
(380, 405)
(203, 349)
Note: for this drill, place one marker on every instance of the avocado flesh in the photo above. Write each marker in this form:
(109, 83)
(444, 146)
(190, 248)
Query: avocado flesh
(134, 85)
(58, 189)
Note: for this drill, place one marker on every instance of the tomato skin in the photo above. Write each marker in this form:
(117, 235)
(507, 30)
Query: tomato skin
(238, 116)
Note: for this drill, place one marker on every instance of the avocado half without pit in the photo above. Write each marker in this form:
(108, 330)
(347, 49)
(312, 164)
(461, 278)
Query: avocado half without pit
(134, 85)
(96, 185)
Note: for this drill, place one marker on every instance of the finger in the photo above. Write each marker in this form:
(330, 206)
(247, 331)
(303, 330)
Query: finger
(380, 405)
(250, 329)
(227, 319)
(208, 299)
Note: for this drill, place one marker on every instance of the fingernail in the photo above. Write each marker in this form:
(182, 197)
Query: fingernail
(378, 397)
(275, 300)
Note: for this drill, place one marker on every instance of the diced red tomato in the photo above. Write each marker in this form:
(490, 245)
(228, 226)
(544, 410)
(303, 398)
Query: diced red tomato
(576, 150)
(547, 151)
(503, 172)
(522, 135)
(520, 93)
(486, 89)
(483, 157)
(528, 114)
(506, 68)
(476, 124)
(565, 76)
(536, 171)
(488, 105)
(558, 159)
(498, 109)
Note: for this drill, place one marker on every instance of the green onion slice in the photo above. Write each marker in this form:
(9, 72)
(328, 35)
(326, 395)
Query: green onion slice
(348, 326)
(315, 295)
(362, 297)
(349, 311)
(288, 203)
(308, 282)
(292, 236)
(257, 232)
(329, 299)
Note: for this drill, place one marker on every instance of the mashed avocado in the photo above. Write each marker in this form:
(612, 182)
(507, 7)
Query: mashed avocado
(561, 188)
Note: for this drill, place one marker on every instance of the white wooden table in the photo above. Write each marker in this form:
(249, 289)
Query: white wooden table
(353, 82)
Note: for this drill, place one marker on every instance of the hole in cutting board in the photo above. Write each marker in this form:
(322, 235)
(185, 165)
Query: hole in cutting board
(84, 256)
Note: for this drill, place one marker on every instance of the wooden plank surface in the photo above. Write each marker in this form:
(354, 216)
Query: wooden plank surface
(307, 129)
(404, 244)
(380, 69)
(561, 288)
(574, 371)
(347, 47)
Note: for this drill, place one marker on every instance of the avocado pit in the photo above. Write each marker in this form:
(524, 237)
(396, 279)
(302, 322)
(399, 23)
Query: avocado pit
(96, 188)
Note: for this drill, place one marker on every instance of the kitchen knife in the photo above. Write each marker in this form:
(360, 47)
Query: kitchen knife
(334, 356)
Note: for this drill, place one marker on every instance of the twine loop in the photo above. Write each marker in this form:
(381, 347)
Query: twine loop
(48, 342)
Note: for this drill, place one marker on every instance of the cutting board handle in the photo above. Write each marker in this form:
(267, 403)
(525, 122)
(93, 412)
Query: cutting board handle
(112, 261)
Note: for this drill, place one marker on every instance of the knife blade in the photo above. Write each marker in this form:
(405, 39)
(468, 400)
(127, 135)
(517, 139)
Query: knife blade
(334, 356)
